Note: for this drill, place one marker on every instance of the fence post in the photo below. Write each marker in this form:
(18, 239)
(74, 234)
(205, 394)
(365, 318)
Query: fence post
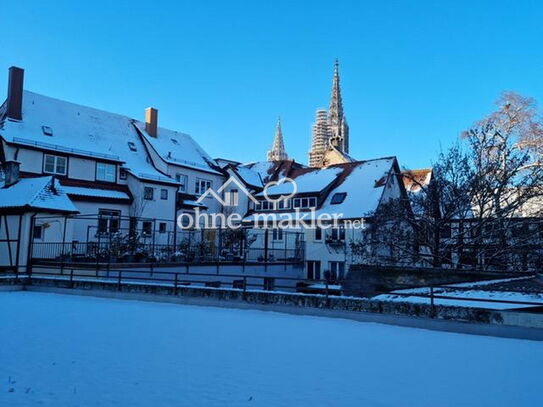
(432, 304)
(327, 294)
(72, 278)
(266, 242)
(119, 280)
(244, 288)
(175, 284)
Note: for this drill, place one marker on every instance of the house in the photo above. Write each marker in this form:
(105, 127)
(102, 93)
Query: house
(21, 201)
(120, 173)
(349, 192)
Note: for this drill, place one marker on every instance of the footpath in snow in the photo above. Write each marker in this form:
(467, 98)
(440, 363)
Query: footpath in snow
(60, 350)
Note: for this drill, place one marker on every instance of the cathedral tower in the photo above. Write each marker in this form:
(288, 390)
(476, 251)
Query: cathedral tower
(330, 131)
(278, 152)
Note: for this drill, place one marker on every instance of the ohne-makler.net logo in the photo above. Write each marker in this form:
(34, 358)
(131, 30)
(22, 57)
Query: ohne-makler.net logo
(279, 213)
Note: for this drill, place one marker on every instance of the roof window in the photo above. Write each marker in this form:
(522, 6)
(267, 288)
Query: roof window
(48, 131)
(132, 146)
(338, 198)
(175, 141)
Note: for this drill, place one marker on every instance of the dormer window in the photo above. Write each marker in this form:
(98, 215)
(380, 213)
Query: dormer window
(132, 146)
(338, 198)
(48, 131)
(106, 172)
(304, 203)
(54, 164)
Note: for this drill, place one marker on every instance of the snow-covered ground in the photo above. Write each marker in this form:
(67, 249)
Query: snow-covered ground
(60, 350)
(474, 291)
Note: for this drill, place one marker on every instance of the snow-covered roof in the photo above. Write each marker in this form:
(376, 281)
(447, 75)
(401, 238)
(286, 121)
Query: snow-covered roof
(179, 149)
(80, 130)
(249, 176)
(263, 168)
(314, 180)
(42, 193)
(363, 183)
(95, 192)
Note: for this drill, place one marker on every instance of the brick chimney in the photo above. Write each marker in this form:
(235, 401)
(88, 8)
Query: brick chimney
(15, 93)
(11, 172)
(151, 121)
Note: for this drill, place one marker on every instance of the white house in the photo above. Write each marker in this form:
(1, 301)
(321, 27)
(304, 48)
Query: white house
(352, 192)
(110, 166)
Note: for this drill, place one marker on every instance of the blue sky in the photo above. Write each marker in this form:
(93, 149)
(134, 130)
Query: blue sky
(414, 73)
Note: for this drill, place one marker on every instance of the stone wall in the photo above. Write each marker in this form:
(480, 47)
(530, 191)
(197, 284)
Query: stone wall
(366, 281)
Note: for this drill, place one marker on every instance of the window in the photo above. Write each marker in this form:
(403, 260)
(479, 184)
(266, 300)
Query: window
(163, 193)
(105, 172)
(313, 270)
(148, 193)
(38, 232)
(445, 231)
(338, 198)
(174, 141)
(147, 228)
(48, 131)
(284, 204)
(277, 234)
(337, 270)
(263, 206)
(318, 233)
(182, 179)
(231, 197)
(304, 203)
(202, 185)
(132, 146)
(108, 221)
(187, 219)
(162, 227)
(122, 174)
(337, 234)
(53, 164)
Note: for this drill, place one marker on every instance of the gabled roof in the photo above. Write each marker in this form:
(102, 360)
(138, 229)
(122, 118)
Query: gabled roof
(363, 182)
(83, 131)
(39, 194)
(271, 170)
(179, 149)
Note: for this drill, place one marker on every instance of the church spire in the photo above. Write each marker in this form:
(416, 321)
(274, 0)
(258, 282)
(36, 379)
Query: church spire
(339, 130)
(336, 104)
(278, 149)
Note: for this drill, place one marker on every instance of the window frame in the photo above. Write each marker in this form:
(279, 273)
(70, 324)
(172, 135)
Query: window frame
(180, 176)
(313, 272)
(198, 184)
(146, 196)
(108, 215)
(55, 164)
(112, 181)
(41, 233)
(146, 232)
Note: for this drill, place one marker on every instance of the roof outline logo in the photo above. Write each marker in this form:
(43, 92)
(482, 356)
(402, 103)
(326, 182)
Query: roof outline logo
(227, 202)
(230, 202)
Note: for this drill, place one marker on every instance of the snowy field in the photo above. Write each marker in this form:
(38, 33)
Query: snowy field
(60, 350)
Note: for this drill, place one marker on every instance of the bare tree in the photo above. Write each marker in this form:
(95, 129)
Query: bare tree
(483, 193)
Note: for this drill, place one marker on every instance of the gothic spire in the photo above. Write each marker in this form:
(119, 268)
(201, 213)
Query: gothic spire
(278, 149)
(336, 104)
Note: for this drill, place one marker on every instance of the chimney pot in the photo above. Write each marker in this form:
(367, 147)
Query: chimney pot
(151, 121)
(15, 93)
(11, 172)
